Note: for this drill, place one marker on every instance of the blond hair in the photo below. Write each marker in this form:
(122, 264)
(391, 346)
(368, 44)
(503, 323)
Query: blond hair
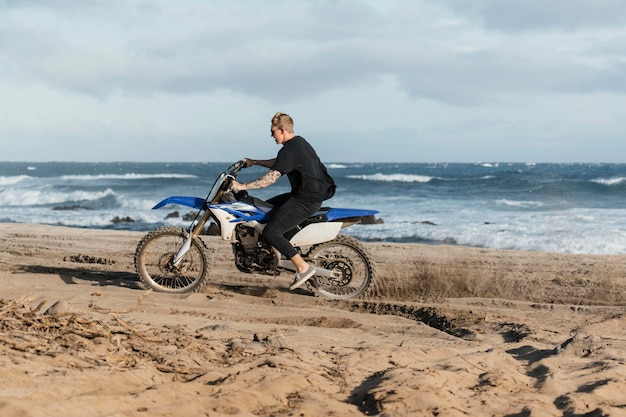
(282, 121)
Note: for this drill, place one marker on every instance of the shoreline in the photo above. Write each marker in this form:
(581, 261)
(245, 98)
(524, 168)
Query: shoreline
(372, 241)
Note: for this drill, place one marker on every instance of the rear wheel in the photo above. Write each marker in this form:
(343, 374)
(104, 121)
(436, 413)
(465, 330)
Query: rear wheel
(353, 271)
(154, 256)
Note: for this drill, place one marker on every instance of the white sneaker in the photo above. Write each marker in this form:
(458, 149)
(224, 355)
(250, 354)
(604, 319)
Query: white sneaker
(300, 279)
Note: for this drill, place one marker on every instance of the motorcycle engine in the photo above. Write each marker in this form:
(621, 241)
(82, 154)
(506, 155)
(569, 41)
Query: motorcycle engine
(252, 254)
(248, 237)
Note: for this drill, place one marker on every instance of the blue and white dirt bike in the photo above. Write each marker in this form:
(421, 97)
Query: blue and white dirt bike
(175, 260)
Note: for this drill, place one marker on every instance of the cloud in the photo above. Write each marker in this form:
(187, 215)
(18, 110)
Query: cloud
(151, 68)
(189, 47)
(177, 49)
(529, 15)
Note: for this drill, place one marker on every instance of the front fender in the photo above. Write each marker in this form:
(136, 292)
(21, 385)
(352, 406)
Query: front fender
(193, 202)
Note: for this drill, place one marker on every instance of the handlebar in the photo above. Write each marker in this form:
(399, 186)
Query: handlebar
(240, 165)
(231, 173)
(236, 167)
(225, 179)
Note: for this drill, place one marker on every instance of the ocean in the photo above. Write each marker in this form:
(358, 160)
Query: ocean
(565, 208)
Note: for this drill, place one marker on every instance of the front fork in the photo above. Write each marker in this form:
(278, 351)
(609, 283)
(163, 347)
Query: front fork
(192, 233)
(184, 248)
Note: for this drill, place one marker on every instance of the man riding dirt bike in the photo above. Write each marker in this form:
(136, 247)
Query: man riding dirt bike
(310, 186)
(302, 237)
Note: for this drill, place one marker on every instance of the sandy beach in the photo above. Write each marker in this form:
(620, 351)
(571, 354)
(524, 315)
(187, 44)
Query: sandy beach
(447, 331)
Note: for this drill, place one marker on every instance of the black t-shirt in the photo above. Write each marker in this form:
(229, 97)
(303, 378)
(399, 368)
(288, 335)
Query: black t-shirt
(307, 175)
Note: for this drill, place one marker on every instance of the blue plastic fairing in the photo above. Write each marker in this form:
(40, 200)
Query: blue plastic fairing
(193, 202)
(344, 213)
(242, 211)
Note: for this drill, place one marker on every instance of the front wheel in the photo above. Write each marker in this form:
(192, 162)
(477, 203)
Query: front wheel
(154, 261)
(353, 271)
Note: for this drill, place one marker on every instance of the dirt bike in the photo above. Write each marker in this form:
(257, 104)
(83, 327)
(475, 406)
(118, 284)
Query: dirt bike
(176, 260)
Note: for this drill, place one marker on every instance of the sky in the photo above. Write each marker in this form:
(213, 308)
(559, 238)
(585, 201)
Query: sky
(364, 80)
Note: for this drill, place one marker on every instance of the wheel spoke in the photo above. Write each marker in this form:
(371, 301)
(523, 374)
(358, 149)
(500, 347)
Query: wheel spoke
(154, 257)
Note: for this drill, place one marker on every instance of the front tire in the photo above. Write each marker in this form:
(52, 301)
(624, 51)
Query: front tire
(153, 262)
(352, 266)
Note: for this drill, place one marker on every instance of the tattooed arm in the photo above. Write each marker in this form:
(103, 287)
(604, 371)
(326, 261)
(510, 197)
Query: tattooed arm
(266, 180)
(267, 163)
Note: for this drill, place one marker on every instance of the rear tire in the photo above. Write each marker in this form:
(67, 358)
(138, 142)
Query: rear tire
(153, 261)
(354, 271)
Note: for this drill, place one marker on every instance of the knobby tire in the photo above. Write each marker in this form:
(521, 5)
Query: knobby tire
(351, 262)
(153, 258)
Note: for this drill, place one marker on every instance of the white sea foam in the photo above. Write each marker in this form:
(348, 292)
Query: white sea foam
(39, 197)
(610, 181)
(567, 232)
(129, 176)
(392, 177)
(13, 180)
(520, 204)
